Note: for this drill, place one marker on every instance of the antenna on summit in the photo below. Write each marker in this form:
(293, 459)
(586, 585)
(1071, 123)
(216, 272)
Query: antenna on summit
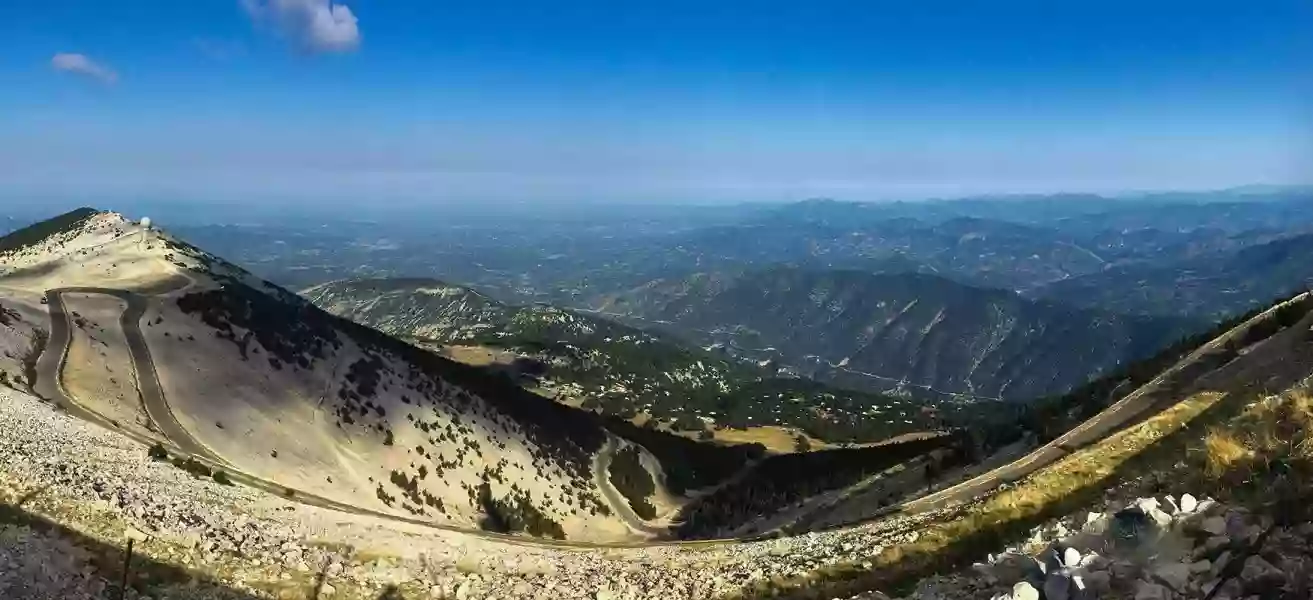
(145, 231)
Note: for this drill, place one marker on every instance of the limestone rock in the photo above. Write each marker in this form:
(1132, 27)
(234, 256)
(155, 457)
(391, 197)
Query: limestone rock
(1174, 575)
(1260, 576)
(1145, 590)
(1214, 525)
(1024, 591)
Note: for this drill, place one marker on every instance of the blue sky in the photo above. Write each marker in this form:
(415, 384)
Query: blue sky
(418, 101)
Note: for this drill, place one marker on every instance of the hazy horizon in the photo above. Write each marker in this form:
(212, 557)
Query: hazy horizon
(507, 104)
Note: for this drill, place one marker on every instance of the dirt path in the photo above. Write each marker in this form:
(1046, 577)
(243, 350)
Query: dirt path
(617, 501)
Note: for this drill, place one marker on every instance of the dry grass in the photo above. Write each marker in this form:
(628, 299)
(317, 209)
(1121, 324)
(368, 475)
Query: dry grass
(1258, 452)
(776, 439)
(1060, 487)
(478, 356)
(1263, 453)
(1224, 452)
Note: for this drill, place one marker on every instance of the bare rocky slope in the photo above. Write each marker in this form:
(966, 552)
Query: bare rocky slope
(169, 344)
(901, 331)
(273, 387)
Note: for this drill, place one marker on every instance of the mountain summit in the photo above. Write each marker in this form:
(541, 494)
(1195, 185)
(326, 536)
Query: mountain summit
(256, 380)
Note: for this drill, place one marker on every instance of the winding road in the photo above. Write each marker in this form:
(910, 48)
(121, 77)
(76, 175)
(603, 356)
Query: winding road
(51, 362)
(602, 475)
(48, 385)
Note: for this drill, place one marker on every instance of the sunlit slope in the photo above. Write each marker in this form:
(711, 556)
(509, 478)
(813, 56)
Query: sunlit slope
(286, 392)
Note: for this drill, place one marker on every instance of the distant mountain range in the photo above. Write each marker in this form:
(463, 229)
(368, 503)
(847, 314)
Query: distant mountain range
(1209, 287)
(908, 330)
(597, 363)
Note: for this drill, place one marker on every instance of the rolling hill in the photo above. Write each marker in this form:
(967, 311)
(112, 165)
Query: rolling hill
(589, 361)
(144, 334)
(1208, 287)
(900, 331)
(257, 380)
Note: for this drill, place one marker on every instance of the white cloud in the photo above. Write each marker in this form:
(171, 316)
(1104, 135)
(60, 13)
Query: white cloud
(319, 25)
(80, 64)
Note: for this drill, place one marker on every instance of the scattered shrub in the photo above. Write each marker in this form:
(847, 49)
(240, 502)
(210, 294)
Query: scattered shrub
(633, 481)
(193, 466)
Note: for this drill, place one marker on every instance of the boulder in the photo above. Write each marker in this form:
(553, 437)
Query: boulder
(1011, 568)
(1093, 562)
(1189, 503)
(1214, 525)
(1024, 591)
(1057, 586)
(1261, 577)
(1071, 558)
(1220, 562)
(1173, 575)
(1098, 582)
(1132, 529)
(1145, 590)
(1124, 570)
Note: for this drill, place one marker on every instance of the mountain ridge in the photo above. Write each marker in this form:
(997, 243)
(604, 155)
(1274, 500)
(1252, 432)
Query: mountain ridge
(914, 327)
(615, 368)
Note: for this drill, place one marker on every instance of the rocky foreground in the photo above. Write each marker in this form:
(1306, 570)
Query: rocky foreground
(72, 495)
(1150, 549)
(199, 539)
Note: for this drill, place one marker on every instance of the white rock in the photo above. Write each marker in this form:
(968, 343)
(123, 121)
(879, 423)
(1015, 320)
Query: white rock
(136, 535)
(1024, 591)
(1160, 517)
(1095, 523)
(1201, 566)
(1093, 562)
(1189, 503)
(1146, 504)
(1070, 558)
